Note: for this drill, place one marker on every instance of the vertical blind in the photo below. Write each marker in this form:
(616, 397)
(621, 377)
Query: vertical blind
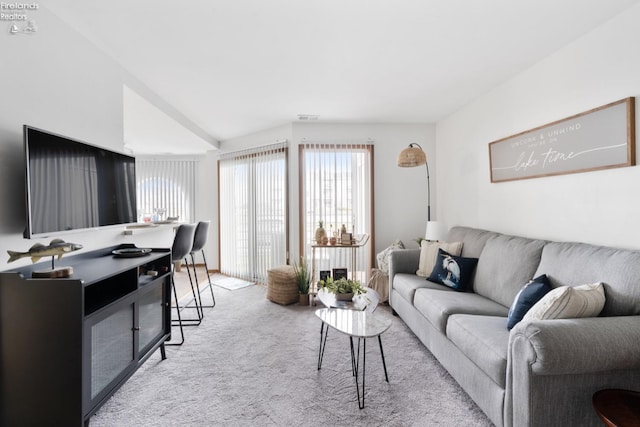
(166, 187)
(253, 211)
(337, 188)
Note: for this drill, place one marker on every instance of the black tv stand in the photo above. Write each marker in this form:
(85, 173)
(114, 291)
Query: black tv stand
(66, 345)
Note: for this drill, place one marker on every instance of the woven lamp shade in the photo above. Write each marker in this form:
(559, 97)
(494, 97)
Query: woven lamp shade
(411, 156)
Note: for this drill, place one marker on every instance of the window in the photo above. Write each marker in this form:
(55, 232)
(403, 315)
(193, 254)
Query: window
(253, 211)
(166, 187)
(336, 187)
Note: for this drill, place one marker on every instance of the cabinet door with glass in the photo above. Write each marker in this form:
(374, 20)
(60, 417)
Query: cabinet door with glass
(153, 314)
(109, 344)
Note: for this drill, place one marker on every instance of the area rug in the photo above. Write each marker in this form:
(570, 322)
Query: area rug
(230, 283)
(254, 363)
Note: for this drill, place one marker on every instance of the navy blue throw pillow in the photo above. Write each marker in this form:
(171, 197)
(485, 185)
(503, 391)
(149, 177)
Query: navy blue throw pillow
(530, 294)
(453, 271)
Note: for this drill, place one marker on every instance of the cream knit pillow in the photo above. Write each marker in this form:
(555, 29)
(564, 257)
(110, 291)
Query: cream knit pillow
(429, 254)
(568, 302)
(383, 257)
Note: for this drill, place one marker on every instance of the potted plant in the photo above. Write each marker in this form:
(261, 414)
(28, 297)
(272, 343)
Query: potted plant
(343, 288)
(301, 272)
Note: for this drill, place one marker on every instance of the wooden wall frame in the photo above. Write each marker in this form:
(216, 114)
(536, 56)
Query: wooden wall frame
(601, 138)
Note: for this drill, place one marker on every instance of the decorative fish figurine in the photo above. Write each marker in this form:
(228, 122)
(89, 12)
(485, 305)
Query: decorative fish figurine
(57, 247)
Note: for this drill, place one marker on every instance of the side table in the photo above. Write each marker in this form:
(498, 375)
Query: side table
(354, 265)
(617, 408)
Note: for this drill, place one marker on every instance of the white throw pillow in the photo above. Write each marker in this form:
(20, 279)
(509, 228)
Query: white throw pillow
(383, 257)
(429, 255)
(566, 302)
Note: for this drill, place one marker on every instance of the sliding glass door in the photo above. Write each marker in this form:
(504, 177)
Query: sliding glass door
(253, 211)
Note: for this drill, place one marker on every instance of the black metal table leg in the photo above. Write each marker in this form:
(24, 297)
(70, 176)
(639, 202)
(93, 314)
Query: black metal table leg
(355, 324)
(353, 358)
(384, 365)
(364, 371)
(323, 343)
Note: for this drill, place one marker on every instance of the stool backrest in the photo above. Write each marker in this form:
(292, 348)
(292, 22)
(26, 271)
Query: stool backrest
(200, 238)
(182, 241)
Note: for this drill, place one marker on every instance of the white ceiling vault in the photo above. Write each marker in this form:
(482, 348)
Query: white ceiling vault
(234, 67)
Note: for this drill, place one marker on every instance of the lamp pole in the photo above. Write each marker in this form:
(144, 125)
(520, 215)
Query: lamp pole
(426, 164)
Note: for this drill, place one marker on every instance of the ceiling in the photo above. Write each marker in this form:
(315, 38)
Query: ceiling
(234, 67)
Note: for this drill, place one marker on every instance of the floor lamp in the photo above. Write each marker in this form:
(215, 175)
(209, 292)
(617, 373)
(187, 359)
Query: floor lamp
(413, 156)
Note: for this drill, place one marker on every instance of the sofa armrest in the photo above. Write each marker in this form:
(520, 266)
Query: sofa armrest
(555, 366)
(403, 261)
(575, 346)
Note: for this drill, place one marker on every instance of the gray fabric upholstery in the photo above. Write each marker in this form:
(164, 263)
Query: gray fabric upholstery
(505, 265)
(402, 261)
(484, 340)
(574, 264)
(536, 400)
(542, 372)
(406, 285)
(595, 344)
(473, 240)
(436, 305)
(482, 389)
(559, 400)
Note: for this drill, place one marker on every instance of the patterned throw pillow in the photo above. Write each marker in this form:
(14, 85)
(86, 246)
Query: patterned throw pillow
(383, 257)
(453, 271)
(530, 294)
(429, 255)
(566, 302)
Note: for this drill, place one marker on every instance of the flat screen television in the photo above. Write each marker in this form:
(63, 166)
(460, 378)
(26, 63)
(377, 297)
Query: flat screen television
(74, 186)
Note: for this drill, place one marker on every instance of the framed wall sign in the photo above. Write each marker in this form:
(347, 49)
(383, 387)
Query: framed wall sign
(601, 138)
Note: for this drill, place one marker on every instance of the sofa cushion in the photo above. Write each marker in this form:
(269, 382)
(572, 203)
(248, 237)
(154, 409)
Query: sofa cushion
(438, 304)
(453, 271)
(484, 340)
(429, 255)
(573, 264)
(406, 284)
(505, 264)
(568, 302)
(473, 239)
(528, 296)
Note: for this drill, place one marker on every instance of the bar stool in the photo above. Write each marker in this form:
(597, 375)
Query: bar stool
(199, 241)
(182, 243)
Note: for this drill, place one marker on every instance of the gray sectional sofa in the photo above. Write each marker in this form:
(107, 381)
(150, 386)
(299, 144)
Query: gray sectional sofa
(541, 372)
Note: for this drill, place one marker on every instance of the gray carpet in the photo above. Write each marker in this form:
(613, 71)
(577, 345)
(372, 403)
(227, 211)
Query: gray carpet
(254, 363)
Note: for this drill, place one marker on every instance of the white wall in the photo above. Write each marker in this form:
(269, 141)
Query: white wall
(58, 81)
(597, 207)
(207, 205)
(55, 80)
(400, 194)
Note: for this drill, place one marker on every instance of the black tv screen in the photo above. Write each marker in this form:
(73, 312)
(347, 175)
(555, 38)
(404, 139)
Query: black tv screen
(74, 186)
